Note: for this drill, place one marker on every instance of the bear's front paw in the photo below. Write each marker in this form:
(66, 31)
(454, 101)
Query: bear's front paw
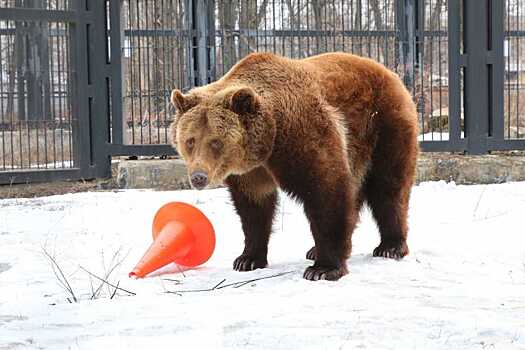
(315, 273)
(249, 263)
(311, 254)
(392, 250)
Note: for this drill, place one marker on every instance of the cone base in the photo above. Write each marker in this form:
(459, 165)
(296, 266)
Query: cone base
(182, 234)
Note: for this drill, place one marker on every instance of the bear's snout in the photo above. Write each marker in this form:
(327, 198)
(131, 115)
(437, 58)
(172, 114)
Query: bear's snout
(199, 180)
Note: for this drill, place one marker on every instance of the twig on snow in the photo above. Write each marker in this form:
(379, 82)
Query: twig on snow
(479, 201)
(112, 266)
(171, 280)
(114, 291)
(220, 285)
(242, 283)
(106, 282)
(60, 276)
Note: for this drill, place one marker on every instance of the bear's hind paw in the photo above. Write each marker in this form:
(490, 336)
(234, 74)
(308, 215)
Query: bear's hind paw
(315, 273)
(392, 251)
(248, 263)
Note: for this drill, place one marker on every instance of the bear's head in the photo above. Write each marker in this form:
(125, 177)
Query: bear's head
(221, 133)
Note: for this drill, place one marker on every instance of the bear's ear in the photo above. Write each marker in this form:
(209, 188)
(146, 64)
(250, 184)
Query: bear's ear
(244, 101)
(183, 102)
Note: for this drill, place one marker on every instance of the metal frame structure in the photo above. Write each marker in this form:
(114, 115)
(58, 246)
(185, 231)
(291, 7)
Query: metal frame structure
(97, 34)
(88, 99)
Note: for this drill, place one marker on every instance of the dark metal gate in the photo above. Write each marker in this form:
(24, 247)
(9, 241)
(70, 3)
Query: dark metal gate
(53, 91)
(84, 81)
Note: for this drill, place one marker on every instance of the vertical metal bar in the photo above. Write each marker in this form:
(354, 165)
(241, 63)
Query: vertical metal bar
(308, 53)
(343, 36)
(48, 97)
(189, 9)
(274, 27)
(385, 29)
(165, 88)
(78, 81)
(156, 69)
(2, 113)
(211, 49)
(476, 79)
(283, 37)
(99, 86)
(200, 53)
(368, 30)
(454, 71)
(498, 69)
(325, 27)
(352, 26)
(265, 19)
(440, 74)
(63, 100)
(518, 70)
(140, 74)
(431, 61)
(116, 67)
(334, 25)
(222, 11)
(148, 68)
(12, 116)
(299, 36)
(508, 85)
(53, 70)
(71, 120)
(407, 39)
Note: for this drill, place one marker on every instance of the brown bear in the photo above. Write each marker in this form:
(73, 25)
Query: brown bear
(332, 131)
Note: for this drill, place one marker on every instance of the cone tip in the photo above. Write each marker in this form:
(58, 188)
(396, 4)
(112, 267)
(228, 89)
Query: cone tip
(133, 275)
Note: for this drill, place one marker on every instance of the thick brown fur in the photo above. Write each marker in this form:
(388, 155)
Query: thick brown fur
(333, 131)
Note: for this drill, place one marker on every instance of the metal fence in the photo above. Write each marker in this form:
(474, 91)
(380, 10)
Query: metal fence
(514, 56)
(158, 44)
(86, 80)
(36, 121)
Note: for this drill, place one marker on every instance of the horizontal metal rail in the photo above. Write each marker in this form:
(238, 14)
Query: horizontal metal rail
(37, 15)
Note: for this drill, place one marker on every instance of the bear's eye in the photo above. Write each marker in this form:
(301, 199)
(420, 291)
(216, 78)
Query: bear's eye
(216, 145)
(190, 143)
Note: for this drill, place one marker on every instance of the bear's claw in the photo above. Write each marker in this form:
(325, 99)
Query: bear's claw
(315, 273)
(391, 250)
(311, 254)
(248, 263)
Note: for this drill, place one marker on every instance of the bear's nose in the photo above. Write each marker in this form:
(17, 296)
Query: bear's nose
(199, 180)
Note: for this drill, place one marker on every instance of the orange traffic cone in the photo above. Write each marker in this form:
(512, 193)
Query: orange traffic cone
(181, 234)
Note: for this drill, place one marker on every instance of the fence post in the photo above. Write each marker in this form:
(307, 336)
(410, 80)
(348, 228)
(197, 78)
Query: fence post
(210, 37)
(406, 23)
(476, 75)
(497, 79)
(118, 108)
(98, 85)
(202, 24)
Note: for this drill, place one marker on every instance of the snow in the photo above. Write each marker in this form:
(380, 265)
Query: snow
(437, 136)
(462, 286)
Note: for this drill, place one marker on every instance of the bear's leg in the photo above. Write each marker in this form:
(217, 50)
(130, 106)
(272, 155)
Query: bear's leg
(332, 214)
(311, 254)
(388, 189)
(389, 208)
(256, 218)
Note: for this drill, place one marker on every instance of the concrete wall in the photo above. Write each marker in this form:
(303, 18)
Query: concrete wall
(171, 174)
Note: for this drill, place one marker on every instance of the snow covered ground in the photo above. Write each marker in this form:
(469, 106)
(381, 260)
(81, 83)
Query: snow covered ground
(462, 286)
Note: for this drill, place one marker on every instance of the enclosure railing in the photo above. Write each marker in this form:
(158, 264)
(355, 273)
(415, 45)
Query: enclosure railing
(86, 80)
